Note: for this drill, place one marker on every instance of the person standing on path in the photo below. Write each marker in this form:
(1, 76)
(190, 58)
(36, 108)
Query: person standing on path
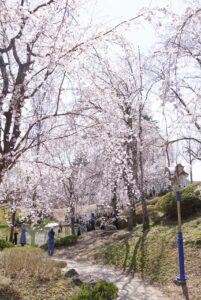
(23, 238)
(15, 233)
(50, 242)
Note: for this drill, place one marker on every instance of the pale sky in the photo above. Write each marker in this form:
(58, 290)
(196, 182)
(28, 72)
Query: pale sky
(116, 11)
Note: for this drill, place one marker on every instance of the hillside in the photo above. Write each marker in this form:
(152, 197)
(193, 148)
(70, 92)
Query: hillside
(153, 255)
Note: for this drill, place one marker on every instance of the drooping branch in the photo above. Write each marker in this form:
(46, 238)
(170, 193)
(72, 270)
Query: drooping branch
(185, 106)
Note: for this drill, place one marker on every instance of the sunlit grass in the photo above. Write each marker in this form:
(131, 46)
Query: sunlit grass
(154, 254)
(26, 262)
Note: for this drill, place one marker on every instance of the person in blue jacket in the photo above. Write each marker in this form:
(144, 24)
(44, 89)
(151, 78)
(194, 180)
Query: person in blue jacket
(23, 238)
(50, 242)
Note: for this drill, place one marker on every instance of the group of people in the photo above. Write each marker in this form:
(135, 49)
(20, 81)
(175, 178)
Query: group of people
(105, 224)
(23, 239)
(87, 226)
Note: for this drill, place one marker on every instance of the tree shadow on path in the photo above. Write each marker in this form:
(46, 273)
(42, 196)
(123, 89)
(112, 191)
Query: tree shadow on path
(138, 246)
(185, 291)
(184, 288)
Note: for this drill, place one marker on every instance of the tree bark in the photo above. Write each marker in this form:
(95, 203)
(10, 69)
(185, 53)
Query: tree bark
(145, 217)
(13, 223)
(114, 197)
(72, 220)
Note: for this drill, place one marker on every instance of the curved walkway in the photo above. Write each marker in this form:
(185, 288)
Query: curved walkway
(79, 257)
(130, 287)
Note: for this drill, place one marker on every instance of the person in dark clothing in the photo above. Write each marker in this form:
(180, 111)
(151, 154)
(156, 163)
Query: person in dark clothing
(23, 236)
(78, 231)
(89, 225)
(60, 229)
(50, 242)
(93, 222)
(102, 224)
(15, 234)
(115, 222)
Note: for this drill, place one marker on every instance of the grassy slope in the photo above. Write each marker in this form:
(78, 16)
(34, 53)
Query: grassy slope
(34, 275)
(155, 256)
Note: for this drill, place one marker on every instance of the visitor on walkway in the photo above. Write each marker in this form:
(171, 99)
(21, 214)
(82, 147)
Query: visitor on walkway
(23, 238)
(82, 228)
(15, 233)
(93, 221)
(59, 232)
(102, 224)
(115, 222)
(50, 242)
(60, 227)
(78, 231)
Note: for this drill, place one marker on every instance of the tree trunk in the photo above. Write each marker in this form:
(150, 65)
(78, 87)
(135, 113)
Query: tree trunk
(114, 197)
(13, 223)
(131, 149)
(72, 220)
(145, 217)
(191, 163)
(132, 213)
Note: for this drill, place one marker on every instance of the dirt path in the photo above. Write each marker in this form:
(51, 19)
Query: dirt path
(130, 286)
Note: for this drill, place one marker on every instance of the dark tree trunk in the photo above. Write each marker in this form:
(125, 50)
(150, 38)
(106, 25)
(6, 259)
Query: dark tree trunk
(13, 223)
(145, 217)
(114, 197)
(132, 214)
(72, 220)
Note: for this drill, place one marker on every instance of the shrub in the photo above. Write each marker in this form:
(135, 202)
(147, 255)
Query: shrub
(102, 290)
(190, 203)
(5, 244)
(152, 213)
(23, 262)
(122, 222)
(64, 241)
(3, 225)
(98, 221)
(9, 293)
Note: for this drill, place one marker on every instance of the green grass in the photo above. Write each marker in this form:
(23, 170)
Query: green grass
(63, 242)
(4, 232)
(154, 255)
(5, 244)
(190, 202)
(102, 290)
(3, 225)
(34, 275)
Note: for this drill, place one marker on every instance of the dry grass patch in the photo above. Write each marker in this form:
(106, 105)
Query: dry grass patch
(28, 262)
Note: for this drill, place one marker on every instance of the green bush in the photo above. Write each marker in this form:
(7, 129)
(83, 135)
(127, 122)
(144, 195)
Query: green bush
(122, 221)
(5, 244)
(102, 290)
(98, 221)
(3, 226)
(190, 203)
(64, 241)
(153, 214)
